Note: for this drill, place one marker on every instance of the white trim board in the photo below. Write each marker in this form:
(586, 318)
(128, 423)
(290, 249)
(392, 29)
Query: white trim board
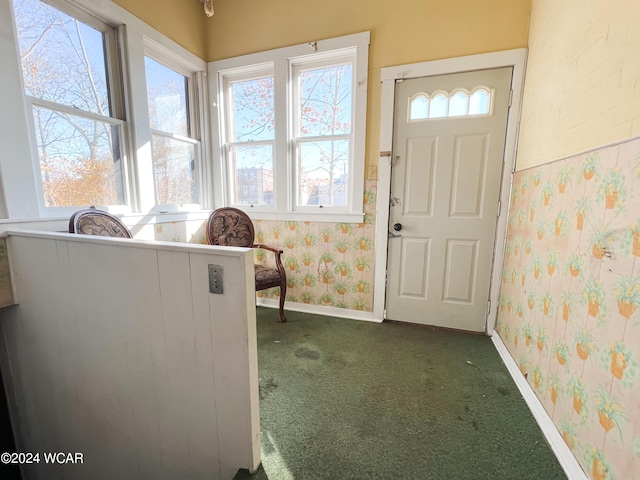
(508, 58)
(563, 453)
(320, 310)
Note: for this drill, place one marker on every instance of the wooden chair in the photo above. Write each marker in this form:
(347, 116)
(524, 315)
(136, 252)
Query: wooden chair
(233, 228)
(97, 222)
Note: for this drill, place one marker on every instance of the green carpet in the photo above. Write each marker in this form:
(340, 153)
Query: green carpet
(346, 399)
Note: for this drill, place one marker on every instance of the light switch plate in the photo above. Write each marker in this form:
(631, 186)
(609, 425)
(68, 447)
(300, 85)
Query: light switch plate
(215, 279)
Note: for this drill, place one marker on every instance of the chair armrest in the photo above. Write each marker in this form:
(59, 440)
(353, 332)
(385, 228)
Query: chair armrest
(278, 253)
(267, 247)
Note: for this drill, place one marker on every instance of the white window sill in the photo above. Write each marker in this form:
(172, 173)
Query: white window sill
(164, 217)
(307, 216)
(154, 217)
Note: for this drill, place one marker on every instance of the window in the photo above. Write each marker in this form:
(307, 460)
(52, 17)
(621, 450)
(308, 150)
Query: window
(72, 86)
(173, 148)
(250, 139)
(86, 84)
(292, 125)
(323, 133)
(458, 104)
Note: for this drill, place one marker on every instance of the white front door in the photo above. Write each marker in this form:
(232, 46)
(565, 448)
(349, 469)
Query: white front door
(448, 150)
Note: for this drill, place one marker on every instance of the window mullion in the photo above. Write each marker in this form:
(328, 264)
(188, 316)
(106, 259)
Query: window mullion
(282, 151)
(142, 185)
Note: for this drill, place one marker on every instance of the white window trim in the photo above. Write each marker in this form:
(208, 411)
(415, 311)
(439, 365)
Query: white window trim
(117, 115)
(18, 162)
(195, 80)
(297, 66)
(239, 76)
(282, 60)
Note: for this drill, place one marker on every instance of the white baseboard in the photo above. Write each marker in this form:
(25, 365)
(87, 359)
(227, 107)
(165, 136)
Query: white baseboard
(320, 310)
(563, 453)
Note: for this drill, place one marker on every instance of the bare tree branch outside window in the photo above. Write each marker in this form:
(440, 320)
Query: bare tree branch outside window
(65, 70)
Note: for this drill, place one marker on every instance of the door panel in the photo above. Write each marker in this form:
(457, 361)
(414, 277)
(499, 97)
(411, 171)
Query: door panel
(445, 188)
(469, 170)
(459, 274)
(420, 167)
(414, 280)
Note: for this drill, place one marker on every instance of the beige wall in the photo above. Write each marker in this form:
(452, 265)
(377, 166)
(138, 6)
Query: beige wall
(582, 88)
(403, 31)
(183, 21)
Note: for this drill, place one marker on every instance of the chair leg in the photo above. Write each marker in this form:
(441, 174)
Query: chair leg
(283, 294)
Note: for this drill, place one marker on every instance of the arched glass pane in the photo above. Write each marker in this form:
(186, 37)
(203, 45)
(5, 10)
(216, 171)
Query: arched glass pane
(479, 104)
(419, 108)
(459, 104)
(439, 106)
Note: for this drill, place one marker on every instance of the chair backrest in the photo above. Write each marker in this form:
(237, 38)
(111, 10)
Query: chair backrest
(97, 222)
(230, 227)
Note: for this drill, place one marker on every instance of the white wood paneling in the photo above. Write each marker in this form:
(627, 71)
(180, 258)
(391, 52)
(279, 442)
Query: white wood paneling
(118, 351)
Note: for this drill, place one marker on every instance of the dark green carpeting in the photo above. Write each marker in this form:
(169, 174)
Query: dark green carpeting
(344, 399)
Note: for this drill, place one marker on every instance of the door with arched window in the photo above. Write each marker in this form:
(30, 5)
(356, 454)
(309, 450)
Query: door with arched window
(448, 152)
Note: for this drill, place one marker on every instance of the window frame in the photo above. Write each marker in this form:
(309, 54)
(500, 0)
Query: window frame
(22, 187)
(115, 117)
(194, 78)
(283, 62)
(296, 139)
(225, 158)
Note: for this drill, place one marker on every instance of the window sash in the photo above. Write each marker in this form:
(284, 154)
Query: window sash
(233, 180)
(298, 68)
(175, 167)
(297, 184)
(185, 90)
(196, 196)
(44, 185)
(112, 63)
(230, 128)
(230, 173)
(113, 116)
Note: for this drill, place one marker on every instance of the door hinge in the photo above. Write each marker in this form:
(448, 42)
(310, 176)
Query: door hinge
(499, 207)
(510, 97)
(488, 307)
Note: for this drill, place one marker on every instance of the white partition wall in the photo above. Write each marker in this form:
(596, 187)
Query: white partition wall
(118, 351)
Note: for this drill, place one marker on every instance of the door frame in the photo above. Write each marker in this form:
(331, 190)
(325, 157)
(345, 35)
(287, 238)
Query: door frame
(516, 59)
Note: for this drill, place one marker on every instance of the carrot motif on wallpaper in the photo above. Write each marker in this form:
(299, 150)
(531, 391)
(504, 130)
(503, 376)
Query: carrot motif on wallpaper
(572, 271)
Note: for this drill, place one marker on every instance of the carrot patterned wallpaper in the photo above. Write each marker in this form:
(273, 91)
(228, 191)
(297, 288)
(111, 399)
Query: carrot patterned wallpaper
(327, 264)
(569, 301)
